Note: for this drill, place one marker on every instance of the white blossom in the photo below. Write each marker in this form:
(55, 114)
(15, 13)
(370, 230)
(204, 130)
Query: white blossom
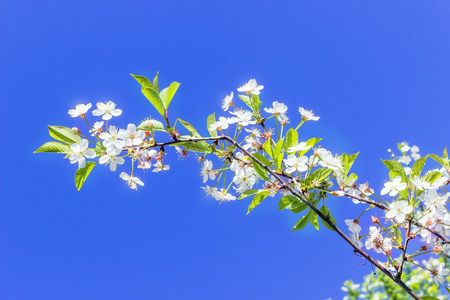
(251, 87)
(278, 109)
(80, 110)
(111, 157)
(207, 171)
(106, 110)
(80, 152)
(399, 210)
(307, 114)
(439, 273)
(227, 102)
(131, 181)
(393, 187)
(296, 164)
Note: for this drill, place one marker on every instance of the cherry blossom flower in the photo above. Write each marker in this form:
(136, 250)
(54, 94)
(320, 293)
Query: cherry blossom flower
(439, 273)
(131, 181)
(329, 161)
(112, 138)
(245, 178)
(221, 124)
(353, 226)
(307, 114)
(420, 184)
(80, 152)
(97, 128)
(243, 117)
(106, 110)
(182, 153)
(132, 137)
(299, 147)
(251, 87)
(227, 102)
(393, 187)
(207, 171)
(158, 167)
(111, 157)
(80, 110)
(278, 109)
(296, 164)
(223, 196)
(399, 210)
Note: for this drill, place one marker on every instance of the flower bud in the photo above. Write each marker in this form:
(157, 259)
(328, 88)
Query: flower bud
(375, 220)
(436, 249)
(76, 130)
(424, 248)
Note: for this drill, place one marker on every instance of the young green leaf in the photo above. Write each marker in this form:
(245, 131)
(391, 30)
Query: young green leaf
(291, 139)
(151, 125)
(54, 147)
(418, 166)
(64, 134)
(311, 143)
(143, 81)
(190, 128)
(438, 159)
(318, 175)
(155, 83)
(171, 90)
(83, 173)
(268, 147)
(300, 224)
(259, 197)
(262, 159)
(394, 165)
(247, 193)
(298, 206)
(260, 171)
(314, 220)
(256, 102)
(154, 99)
(211, 120)
(247, 101)
(286, 201)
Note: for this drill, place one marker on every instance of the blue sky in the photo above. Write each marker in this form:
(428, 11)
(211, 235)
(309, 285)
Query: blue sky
(376, 72)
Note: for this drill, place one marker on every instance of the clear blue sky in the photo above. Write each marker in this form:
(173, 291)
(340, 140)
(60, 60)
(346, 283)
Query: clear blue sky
(376, 72)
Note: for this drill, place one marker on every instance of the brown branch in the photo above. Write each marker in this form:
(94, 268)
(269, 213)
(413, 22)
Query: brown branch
(327, 220)
(408, 237)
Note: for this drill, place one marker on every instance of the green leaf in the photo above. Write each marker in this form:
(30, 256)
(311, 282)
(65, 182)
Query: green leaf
(418, 166)
(348, 161)
(201, 146)
(398, 234)
(260, 171)
(300, 224)
(268, 147)
(286, 201)
(256, 102)
(54, 147)
(143, 81)
(190, 128)
(298, 206)
(314, 220)
(291, 139)
(431, 177)
(247, 101)
(259, 197)
(211, 120)
(170, 92)
(262, 159)
(154, 99)
(155, 83)
(278, 156)
(318, 175)
(151, 125)
(247, 193)
(83, 173)
(445, 154)
(64, 134)
(326, 211)
(394, 165)
(438, 159)
(428, 298)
